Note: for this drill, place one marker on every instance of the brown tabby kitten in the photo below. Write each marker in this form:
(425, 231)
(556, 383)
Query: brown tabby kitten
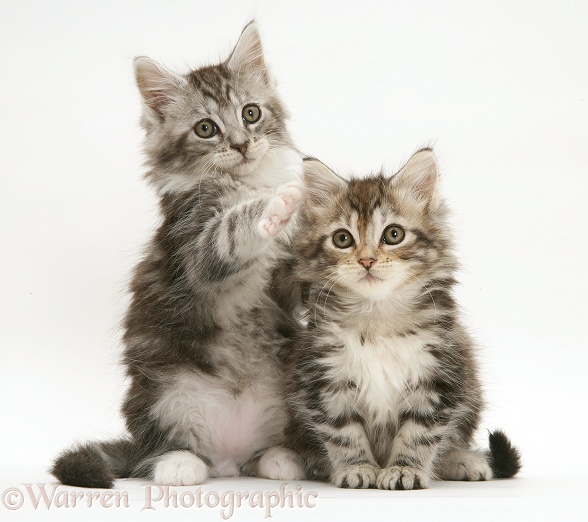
(204, 339)
(384, 384)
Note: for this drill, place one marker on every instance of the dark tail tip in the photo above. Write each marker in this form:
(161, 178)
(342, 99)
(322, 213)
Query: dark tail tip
(82, 466)
(505, 459)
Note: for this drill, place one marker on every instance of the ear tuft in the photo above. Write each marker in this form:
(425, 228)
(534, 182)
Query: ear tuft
(157, 85)
(248, 53)
(419, 178)
(322, 183)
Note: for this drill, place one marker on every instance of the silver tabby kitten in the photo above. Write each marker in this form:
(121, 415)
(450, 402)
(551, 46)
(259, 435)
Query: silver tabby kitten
(384, 385)
(204, 340)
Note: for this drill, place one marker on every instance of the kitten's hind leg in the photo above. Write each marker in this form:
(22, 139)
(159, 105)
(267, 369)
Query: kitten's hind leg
(277, 463)
(464, 465)
(179, 468)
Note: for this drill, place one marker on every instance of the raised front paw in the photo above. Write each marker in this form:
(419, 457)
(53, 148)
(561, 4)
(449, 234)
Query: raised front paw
(288, 199)
(359, 476)
(402, 477)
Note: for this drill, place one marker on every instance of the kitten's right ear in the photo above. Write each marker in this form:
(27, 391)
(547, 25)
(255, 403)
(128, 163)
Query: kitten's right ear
(322, 183)
(157, 85)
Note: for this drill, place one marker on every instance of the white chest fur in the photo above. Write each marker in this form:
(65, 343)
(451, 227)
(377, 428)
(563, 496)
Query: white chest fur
(225, 427)
(382, 368)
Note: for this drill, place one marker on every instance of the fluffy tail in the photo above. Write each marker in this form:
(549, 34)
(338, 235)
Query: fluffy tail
(95, 464)
(503, 457)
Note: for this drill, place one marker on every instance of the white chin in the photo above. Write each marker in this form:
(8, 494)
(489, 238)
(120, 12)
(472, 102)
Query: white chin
(372, 287)
(242, 169)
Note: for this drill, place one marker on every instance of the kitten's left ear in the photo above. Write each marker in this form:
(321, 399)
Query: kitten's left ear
(247, 56)
(419, 179)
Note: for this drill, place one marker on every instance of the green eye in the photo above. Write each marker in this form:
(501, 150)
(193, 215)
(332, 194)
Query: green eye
(343, 239)
(251, 113)
(393, 235)
(205, 128)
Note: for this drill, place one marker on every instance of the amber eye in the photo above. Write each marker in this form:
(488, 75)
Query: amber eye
(251, 113)
(343, 239)
(393, 235)
(205, 128)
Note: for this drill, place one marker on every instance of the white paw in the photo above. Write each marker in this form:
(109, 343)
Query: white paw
(288, 199)
(359, 476)
(279, 463)
(180, 468)
(465, 465)
(402, 477)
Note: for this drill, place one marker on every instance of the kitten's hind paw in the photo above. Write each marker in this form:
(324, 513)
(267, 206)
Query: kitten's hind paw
(288, 199)
(402, 477)
(279, 463)
(465, 465)
(180, 468)
(359, 476)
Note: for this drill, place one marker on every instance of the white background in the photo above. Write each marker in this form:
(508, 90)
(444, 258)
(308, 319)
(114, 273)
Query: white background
(500, 88)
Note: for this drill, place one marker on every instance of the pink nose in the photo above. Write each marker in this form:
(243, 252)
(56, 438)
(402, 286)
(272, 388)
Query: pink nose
(367, 263)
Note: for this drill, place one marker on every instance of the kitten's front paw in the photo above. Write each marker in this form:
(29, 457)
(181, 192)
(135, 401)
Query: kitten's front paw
(279, 463)
(180, 468)
(402, 477)
(359, 476)
(288, 199)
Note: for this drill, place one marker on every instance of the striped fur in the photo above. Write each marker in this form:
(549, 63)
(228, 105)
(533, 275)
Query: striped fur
(204, 339)
(384, 390)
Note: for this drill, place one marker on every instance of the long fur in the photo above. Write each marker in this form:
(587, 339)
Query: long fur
(505, 459)
(384, 389)
(204, 337)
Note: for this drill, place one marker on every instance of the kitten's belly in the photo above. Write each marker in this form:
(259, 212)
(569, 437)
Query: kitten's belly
(227, 428)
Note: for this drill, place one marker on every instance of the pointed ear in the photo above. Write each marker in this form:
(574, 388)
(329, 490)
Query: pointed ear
(419, 179)
(322, 183)
(248, 53)
(157, 85)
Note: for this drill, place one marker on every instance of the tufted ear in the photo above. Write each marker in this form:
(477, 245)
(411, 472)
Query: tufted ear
(322, 183)
(157, 85)
(419, 179)
(247, 56)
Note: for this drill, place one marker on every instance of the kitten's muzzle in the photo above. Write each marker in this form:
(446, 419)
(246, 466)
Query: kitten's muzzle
(241, 147)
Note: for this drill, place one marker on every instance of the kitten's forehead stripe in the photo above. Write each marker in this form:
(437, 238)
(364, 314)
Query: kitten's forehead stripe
(213, 82)
(230, 93)
(364, 196)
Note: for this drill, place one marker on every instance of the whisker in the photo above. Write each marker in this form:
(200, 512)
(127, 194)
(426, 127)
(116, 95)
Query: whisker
(316, 303)
(428, 291)
(339, 278)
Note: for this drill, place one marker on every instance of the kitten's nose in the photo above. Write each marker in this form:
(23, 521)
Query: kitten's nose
(367, 263)
(241, 147)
